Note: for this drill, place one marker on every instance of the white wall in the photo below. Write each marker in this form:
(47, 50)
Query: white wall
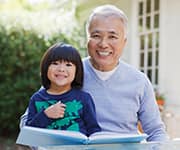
(133, 34)
(170, 63)
(169, 73)
(170, 50)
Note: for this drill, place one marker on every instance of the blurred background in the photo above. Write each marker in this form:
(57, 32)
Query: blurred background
(29, 27)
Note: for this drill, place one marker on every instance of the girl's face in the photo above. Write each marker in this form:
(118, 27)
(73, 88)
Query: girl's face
(61, 74)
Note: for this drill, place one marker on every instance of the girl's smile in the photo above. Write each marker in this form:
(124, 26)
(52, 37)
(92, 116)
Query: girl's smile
(61, 74)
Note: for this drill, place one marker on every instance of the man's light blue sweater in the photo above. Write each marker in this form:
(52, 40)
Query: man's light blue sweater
(123, 99)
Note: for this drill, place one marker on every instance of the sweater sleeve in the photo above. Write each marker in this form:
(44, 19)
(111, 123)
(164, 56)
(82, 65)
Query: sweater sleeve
(149, 115)
(37, 119)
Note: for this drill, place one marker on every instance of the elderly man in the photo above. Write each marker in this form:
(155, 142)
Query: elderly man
(123, 95)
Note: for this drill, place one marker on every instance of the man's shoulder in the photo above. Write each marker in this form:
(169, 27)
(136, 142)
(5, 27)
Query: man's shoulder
(86, 64)
(85, 59)
(131, 70)
(127, 66)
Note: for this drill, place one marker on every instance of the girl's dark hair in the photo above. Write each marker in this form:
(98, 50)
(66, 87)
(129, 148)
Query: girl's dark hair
(62, 52)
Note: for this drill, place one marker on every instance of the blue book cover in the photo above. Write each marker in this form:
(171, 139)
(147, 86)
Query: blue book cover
(47, 137)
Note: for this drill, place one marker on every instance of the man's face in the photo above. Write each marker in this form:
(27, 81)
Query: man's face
(106, 41)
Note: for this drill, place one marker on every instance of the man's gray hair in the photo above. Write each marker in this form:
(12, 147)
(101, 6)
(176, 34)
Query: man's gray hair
(108, 10)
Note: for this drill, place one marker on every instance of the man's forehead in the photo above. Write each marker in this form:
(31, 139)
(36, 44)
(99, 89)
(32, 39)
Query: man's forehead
(110, 31)
(110, 21)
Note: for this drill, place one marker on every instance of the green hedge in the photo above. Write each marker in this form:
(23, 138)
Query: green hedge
(20, 54)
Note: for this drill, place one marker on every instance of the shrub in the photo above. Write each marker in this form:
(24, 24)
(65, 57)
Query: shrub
(20, 55)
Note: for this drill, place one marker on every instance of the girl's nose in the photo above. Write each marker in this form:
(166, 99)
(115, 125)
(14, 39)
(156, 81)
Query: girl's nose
(61, 68)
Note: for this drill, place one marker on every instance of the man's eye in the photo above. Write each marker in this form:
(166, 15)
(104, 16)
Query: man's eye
(95, 36)
(113, 37)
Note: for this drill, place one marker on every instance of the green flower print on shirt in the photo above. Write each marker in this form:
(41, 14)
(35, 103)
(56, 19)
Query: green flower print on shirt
(73, 107)
(40, 105)
(71, 114)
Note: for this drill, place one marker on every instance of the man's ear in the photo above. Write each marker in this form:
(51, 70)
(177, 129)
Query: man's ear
(125, 41)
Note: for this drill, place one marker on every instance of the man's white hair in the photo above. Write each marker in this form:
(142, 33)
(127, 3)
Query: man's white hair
(108, 10)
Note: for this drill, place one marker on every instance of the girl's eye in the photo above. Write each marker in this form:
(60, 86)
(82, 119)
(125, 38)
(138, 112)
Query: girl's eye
(54, 63)
(69, 64)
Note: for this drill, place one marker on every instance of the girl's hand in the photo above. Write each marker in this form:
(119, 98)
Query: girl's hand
(55, 111)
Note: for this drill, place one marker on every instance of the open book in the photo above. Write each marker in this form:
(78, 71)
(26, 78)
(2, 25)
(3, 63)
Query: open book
(47, 137)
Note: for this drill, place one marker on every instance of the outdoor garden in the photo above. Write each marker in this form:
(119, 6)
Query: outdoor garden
(26, 31)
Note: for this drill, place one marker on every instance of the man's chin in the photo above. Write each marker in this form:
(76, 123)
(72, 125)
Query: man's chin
(105, 66)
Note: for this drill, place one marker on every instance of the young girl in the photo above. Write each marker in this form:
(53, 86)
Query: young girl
(61, 104)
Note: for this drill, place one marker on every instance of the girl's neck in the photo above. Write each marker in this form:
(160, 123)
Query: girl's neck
(58, 91)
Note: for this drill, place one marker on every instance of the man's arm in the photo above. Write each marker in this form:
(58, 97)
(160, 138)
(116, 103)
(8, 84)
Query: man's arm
(149, 116)
(23, 119)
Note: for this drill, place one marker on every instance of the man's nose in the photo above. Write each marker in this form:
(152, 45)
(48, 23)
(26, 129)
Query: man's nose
(103, 42)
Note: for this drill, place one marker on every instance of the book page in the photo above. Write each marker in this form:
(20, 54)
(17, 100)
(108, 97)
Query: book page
(110, 137)
(41, 137)
(66, 133)
(48, 137)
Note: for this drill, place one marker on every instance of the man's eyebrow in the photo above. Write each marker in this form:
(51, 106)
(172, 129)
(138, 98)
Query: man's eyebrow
(113, 32)
(95, 31)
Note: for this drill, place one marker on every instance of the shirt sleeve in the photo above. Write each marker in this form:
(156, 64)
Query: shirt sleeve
(37, 119)
(90, 116)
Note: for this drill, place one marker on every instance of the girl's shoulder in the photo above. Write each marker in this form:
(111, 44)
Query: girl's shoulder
(80, 92)
(39, 93)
